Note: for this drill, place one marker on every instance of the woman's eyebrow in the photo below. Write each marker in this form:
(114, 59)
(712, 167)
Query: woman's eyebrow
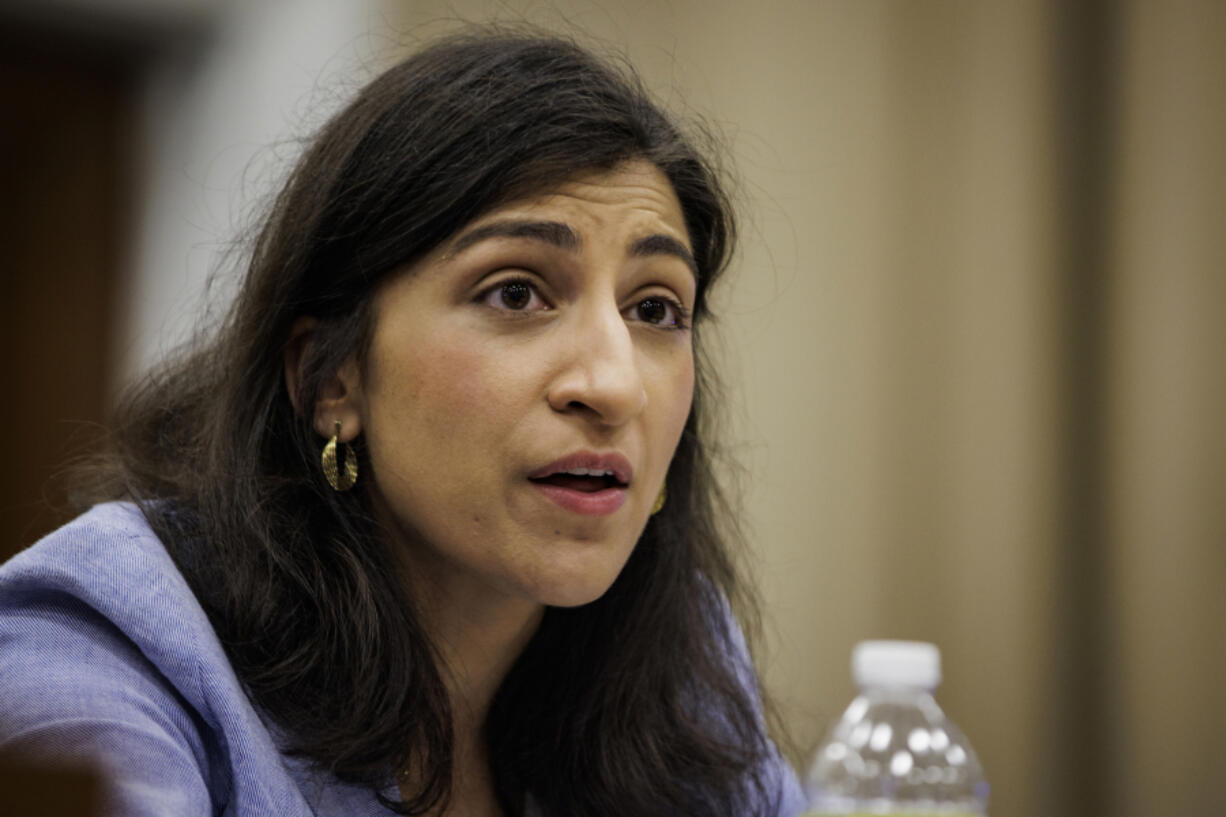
(660, 244)
(551, 232)
(562, 236)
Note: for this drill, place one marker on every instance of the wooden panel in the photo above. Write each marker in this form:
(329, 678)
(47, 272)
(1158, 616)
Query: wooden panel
(62, 215)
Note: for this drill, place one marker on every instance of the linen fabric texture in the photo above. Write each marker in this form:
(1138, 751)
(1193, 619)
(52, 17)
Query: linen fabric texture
(106, 657)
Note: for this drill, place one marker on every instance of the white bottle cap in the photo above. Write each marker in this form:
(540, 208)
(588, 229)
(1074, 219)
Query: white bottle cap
(896, 664)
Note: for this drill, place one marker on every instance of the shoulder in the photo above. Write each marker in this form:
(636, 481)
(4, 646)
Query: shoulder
(107, 657)
(86, 557)
(98, 640)
(108, 570)
(780, 793)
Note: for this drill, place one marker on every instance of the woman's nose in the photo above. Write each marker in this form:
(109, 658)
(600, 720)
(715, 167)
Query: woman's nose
(599, 373)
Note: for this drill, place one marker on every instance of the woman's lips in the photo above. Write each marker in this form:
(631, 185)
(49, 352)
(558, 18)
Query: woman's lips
(612, 461)
(589, 503)
(585, 482)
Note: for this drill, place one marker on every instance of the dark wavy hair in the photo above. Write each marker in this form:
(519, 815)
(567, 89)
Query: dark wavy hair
(639, 703)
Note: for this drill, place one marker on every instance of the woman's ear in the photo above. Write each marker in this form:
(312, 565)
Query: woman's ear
(340, 397)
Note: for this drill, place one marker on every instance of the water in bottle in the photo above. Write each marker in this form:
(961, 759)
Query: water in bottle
(894, 751)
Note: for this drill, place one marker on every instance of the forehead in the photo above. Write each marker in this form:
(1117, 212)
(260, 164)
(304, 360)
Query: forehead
(634, 197)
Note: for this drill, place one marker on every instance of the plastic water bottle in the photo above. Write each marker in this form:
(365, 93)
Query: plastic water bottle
(894, 751)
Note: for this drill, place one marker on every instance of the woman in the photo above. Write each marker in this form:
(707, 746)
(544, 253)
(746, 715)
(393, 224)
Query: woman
(429, 526)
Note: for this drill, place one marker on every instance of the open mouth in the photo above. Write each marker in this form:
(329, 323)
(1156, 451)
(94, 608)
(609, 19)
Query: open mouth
(588, 481)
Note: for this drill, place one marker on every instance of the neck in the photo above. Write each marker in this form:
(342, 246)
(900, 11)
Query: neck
(479, 632)
(478, 637)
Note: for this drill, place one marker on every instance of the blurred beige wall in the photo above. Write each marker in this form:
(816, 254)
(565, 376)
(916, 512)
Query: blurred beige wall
(928, 455)
(1167, 393)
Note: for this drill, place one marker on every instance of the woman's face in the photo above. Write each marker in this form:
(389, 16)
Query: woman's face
(526, 386)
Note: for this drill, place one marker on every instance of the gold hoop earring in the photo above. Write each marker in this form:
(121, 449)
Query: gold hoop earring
(661, 498)
(340, 481)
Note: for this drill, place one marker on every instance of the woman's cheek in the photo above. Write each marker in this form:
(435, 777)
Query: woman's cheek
(464, 384)
(679, 392)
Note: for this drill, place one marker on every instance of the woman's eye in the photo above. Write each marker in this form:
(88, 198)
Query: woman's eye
(517, 296)
(658, 311)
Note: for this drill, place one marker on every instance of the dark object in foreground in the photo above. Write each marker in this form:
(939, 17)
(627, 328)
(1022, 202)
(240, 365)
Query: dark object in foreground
(30, 789)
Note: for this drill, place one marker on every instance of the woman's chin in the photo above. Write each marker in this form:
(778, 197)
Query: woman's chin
(573, 573)
(571, 591)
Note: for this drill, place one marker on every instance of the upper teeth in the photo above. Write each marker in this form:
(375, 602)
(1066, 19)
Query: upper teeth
(589, 472)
